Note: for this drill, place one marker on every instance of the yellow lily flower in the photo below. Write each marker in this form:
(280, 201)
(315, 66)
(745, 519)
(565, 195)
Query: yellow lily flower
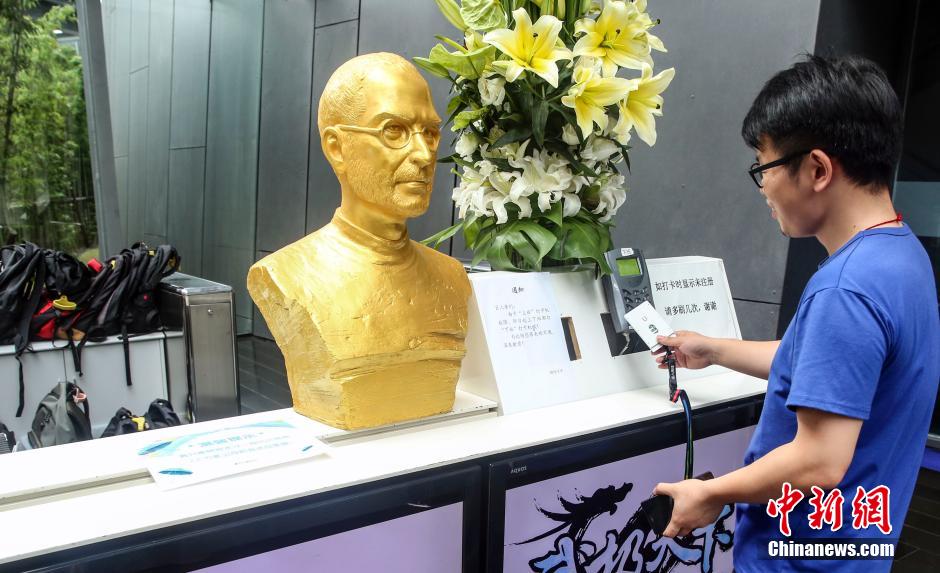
(530, 47)
(591, 94)
(618, 37)
(643, 18)
(641, 104)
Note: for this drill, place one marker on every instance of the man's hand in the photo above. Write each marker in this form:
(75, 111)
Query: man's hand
(692, 506)
(691, 349)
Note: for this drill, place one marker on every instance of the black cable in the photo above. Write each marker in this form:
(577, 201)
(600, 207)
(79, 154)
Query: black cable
(680, 395)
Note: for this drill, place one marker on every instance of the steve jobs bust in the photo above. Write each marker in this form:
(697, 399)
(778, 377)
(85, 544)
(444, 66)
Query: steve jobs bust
(371, 323)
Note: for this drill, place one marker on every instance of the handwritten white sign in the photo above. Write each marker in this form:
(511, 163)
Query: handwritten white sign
(525, 340)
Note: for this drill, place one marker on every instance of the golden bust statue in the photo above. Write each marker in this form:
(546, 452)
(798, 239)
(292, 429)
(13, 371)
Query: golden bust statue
(371, 324)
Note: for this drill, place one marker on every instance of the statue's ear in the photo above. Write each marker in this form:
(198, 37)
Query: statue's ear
(332, 146)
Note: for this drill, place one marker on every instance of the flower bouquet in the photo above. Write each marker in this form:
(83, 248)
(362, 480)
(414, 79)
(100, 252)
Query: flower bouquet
(544, 117)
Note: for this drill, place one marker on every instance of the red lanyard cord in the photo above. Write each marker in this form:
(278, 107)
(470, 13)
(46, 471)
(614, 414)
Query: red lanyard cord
(897, 219)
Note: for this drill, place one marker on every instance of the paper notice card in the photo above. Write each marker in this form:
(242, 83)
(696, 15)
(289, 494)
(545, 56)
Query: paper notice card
(204, 456)
(525, 339)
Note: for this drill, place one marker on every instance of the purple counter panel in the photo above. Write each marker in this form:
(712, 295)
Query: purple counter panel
(426, 542)
(588, 521)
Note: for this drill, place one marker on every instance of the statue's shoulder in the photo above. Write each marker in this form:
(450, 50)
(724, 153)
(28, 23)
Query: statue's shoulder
(444, 266)
(283, 266)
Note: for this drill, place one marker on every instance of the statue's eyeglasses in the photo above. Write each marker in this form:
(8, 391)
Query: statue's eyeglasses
(396, 135)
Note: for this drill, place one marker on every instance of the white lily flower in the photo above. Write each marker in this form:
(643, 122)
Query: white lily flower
(546, 199)
(571, 205)
(492, 91)
(599, 149)
(469, 193)
(485, 168)
(467, 143)
(502, 181)
(611, 196)
(594, 65)
(541, 173)
(569, 135)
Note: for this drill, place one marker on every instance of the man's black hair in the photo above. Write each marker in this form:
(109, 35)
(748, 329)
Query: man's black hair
(843, 106)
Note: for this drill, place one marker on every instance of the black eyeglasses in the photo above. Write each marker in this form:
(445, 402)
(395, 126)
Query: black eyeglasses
(757, 171)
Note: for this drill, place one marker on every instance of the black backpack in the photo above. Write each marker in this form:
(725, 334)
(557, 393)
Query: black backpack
(67, 279)
(122, 299)
(59, 419)
(7, 439)
(22, 276)
(160, 414)
(124, 422)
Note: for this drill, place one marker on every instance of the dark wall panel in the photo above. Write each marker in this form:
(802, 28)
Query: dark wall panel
(140, 33)
(184, 225)
(120, 69)
(232, 147)
(285, 122)
(190, 83)
(333, 11)
(137, 156)
(158, 118)
(333, 45)
(758, 320)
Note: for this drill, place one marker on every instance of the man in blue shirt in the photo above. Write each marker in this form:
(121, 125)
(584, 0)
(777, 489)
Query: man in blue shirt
(851, 386)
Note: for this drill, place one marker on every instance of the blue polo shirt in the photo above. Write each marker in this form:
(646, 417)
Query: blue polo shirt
(864, 343)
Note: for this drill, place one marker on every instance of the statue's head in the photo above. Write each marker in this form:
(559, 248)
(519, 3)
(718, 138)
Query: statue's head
(379, 131)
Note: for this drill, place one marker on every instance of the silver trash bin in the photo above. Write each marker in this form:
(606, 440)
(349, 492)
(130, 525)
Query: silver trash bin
(204, 310)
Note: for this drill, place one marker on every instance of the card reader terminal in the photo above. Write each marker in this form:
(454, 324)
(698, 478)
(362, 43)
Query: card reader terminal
(627, 286)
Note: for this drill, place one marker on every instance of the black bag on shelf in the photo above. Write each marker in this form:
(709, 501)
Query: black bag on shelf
(7, 439)
(59, 419)
(161, 414)
(22, 276)
(124, 422)
(121, 299)
(67, 279)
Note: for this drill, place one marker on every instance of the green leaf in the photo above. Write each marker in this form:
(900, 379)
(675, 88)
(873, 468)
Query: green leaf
(462, 162)
(496, 253)
(555, 214)
(460, 47)
(582, 241)
(441, 236)
(451, 11)
(464, 118)
(474, 226)
(483, 15)
(520, 133)
(539, 118)
(468, 65)
(480, 245)
(454, 104)
(542, 238)
(460, 107)
(432, 68)
(521, 245)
